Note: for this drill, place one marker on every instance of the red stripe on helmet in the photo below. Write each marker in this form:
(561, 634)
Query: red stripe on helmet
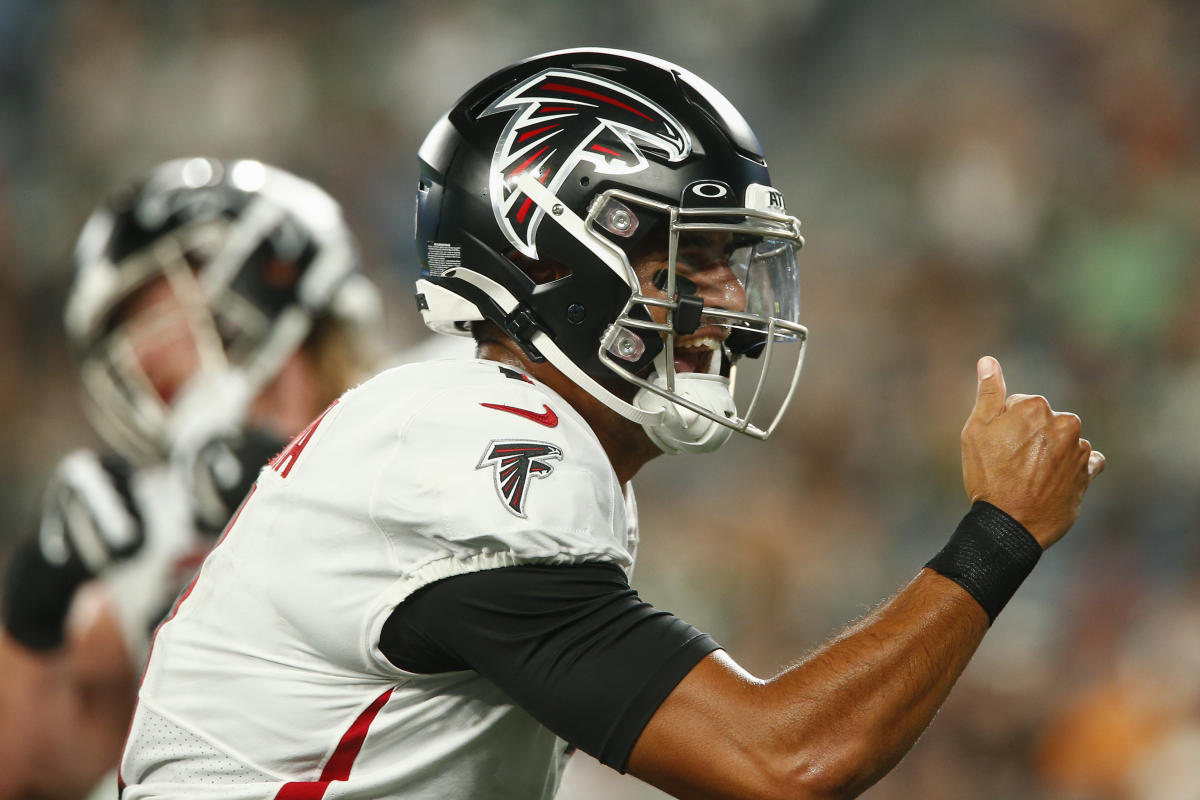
(524, 209)
(579, 90)
(533, 133)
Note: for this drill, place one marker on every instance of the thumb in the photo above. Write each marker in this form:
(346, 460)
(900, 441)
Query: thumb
(991, 392)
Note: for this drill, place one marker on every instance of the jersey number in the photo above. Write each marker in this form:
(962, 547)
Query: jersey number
(288, 457)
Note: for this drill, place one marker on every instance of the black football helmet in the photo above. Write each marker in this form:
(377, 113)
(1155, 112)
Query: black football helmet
(540, 190)
(253, 255)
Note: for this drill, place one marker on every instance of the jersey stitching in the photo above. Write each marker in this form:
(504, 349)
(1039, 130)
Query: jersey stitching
(372, 500)
(366, 645)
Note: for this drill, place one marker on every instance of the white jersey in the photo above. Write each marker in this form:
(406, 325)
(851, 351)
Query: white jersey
(269, 681)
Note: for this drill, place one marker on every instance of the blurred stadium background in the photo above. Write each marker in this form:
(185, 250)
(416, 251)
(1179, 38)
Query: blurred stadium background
(1014, 177)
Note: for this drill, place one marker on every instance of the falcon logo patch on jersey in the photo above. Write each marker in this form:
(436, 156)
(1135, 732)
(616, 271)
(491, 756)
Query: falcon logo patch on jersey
(515, 462)
(562, 117)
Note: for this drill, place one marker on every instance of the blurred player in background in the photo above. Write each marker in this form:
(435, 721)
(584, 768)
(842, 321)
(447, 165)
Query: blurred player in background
(427, 593)
(216, 307)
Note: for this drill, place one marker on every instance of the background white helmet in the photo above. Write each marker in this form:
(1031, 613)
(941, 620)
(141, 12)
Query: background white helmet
(253, 254)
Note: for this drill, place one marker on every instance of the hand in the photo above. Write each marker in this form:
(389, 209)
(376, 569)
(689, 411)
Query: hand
(1025, 458)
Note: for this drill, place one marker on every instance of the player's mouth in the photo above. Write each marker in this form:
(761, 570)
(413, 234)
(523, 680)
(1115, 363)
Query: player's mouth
(695, 354)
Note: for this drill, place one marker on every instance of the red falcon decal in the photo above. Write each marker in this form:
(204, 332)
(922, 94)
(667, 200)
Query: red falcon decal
(561, 117)
(515, 462)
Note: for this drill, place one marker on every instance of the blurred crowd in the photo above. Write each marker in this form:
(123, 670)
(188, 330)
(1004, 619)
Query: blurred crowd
(1012, 177)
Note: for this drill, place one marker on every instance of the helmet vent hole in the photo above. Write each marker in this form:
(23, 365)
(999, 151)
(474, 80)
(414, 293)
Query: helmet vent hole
(585, 181)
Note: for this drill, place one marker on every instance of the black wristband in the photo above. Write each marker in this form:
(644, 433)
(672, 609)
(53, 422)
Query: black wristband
(989, 555)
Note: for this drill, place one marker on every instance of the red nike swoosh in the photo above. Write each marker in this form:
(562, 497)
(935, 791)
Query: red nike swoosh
(547, 418)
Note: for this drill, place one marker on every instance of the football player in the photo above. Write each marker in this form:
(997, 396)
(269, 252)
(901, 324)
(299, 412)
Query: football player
(426, 594)
(216, 307)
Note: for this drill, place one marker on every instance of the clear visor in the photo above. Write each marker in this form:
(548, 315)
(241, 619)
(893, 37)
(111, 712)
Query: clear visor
(767, 271)
(723, 294)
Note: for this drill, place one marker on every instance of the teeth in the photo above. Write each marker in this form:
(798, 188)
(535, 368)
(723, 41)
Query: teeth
(707, 343)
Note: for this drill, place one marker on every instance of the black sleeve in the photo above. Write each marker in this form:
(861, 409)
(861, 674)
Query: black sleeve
(573, 645)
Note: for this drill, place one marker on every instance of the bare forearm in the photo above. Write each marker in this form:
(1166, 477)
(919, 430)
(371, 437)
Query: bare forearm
(834, 723)
(829, 726)
(850, 710)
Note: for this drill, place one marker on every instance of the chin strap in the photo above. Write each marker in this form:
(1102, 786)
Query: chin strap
(681, 430)
(673, 428)
(546, 346)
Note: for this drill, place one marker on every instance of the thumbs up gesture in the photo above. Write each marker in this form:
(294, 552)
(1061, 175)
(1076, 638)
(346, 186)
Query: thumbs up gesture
(1025, 458)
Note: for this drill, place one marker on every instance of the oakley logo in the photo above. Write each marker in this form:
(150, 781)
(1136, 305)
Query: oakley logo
(710, 190)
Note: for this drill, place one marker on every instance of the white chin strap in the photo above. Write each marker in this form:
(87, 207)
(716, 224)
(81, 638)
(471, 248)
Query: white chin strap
(673, 428)
(681, 430)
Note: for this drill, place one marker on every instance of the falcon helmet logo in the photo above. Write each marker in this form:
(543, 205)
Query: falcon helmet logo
(515, 462)
(562, 117)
